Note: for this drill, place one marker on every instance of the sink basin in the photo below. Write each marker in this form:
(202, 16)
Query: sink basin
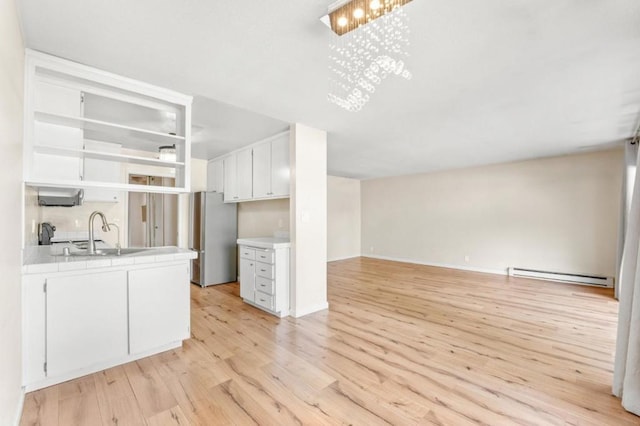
(110, 252)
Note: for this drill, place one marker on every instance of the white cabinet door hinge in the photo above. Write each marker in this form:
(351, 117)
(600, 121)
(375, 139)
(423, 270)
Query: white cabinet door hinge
(44, 286)
(45, 368)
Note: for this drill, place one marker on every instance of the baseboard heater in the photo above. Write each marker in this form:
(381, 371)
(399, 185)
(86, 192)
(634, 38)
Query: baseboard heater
(594, 280)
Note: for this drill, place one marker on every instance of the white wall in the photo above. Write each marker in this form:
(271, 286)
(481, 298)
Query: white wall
(31, 216)
(559, 214)
(11, 104)
(263, 218)
(308, 220)
(343, 218)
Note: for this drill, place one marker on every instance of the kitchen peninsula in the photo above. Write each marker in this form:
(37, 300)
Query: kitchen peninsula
(87, 313)
(86, 132)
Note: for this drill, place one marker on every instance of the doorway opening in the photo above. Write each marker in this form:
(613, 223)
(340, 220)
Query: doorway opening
(153, 217)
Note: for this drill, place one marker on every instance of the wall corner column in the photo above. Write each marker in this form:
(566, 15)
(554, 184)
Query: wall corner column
(308, 220)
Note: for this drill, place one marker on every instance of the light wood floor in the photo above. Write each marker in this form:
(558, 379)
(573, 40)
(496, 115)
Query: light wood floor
(401, 344)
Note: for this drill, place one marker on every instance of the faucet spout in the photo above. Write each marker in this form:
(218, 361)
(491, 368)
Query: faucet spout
(91, 247)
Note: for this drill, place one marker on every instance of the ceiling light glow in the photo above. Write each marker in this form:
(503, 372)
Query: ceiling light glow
(371, 44)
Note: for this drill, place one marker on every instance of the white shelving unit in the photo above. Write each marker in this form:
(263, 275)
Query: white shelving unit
(68, 104)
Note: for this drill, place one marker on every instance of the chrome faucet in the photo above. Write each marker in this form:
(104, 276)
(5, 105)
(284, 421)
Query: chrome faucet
(91, 247)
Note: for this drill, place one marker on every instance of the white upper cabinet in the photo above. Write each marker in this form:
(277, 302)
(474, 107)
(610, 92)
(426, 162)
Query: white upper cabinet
(215, 176)
(230, 179)
(244, 174)
(237, 176)
(52, 141)
(97, 170)
(68, 104)
(260, 172)
(280, 167)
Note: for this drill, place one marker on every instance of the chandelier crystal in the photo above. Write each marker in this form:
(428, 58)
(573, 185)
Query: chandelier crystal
(371, 43)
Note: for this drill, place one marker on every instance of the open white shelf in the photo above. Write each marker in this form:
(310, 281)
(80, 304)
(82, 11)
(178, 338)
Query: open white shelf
(104, 185)
(115, 130)
(97, 155)
(69, 105)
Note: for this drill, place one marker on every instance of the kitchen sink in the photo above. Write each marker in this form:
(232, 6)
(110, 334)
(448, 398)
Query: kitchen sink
(109, 252)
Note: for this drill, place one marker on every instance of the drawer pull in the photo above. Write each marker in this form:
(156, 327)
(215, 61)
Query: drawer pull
(262, 300)
(263, 270)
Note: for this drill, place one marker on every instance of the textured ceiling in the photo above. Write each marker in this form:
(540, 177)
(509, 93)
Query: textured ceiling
(494, 80)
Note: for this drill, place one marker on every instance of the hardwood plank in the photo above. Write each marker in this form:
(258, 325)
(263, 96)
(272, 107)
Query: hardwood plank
(171, 417)
(117, 402)
(41, 408)
(78, 403)
(150, 391)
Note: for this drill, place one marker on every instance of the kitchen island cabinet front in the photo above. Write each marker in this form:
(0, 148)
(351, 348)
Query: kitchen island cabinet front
(86, 320)
(82, 321)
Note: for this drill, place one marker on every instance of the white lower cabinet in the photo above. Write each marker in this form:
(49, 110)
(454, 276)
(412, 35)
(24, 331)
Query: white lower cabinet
(79, 322)
(158, 307)
(247, 275)
(264, 278)
(86, 320)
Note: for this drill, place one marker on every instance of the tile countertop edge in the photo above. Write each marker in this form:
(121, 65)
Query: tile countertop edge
(45, 263)
(265, 242)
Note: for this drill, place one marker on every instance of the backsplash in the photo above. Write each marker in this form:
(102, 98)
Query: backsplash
(74, 220)
(263, 218)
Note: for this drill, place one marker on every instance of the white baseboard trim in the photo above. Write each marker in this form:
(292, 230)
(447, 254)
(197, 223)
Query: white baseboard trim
(439, 265)
(335, 259)
(297, 313)
(20, 407)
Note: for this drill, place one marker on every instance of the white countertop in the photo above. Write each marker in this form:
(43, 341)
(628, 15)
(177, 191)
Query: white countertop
(265, 242)
(43, 259)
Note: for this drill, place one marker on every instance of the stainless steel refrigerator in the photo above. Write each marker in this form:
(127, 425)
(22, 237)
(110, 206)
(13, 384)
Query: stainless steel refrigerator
(213, 234)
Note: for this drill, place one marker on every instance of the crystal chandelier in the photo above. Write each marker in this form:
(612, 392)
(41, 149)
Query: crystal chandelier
(370, 43)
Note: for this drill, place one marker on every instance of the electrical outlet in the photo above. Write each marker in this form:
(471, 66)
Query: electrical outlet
(371, 249)
(466, 258)
(33, 226)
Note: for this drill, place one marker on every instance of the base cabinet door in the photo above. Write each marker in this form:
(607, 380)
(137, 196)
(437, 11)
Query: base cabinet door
(247, 279)
(86, 320)
(158, 307)
(34, 301)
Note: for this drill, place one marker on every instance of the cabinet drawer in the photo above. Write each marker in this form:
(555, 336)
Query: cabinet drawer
(247, 253)
(265, 270)
(264, 300)
(265, 285)
(266, 256)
